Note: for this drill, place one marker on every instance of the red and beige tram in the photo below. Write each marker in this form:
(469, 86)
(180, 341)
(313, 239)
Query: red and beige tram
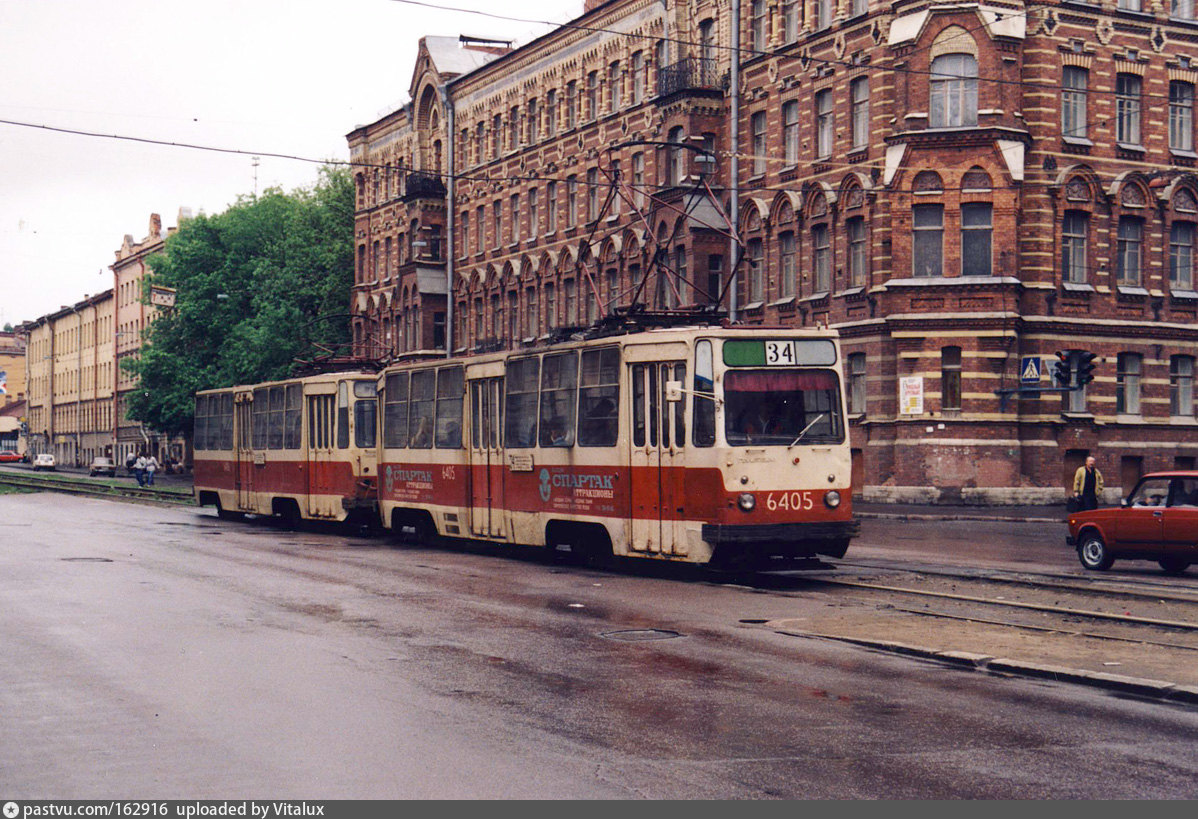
(695, 444)
(300, 449)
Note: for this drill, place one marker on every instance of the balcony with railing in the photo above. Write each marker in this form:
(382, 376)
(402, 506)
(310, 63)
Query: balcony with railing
(691, 75)
(423, 185)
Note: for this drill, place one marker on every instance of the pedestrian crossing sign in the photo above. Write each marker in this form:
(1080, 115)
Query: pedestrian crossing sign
(1029, 370)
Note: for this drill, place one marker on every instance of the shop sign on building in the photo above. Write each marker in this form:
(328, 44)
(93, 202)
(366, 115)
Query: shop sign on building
(911, 395)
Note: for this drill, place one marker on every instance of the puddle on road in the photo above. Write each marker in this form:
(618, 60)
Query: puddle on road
(85, 560)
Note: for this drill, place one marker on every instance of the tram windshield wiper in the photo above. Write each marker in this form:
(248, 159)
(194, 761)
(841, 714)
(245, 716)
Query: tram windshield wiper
(814, 421)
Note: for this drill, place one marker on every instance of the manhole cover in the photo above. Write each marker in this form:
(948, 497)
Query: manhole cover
(86, 560)
(640, 634)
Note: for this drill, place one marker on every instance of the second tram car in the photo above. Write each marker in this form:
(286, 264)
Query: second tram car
(299, 449)
(701, 444)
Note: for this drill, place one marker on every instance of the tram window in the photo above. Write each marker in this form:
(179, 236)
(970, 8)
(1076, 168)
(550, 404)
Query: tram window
(275, 420)
(679, 408)
(520, 402)
(599, 397)
(226, 422)
(395, 410)
(782, 408)
(653, 406)
(703, 429)
(638, 405)
(293, 417)
(559, 393)
(261, 418)
(365, 418)
(420, 435)
(200, 424)
(664, 378)
(342, 415)
(450, 392)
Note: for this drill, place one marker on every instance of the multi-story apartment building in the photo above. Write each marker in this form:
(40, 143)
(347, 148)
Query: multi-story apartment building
(961, 189)
(12, 365)
(77, 386)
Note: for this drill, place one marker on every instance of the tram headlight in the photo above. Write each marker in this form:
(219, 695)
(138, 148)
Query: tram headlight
(832, 499)
(746, 501)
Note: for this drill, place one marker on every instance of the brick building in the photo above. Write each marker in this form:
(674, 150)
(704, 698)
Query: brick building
(77, 387)
(961, 189)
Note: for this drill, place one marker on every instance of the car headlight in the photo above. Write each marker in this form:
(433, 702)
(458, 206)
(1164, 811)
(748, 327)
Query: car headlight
(746, 501)
(832, 499)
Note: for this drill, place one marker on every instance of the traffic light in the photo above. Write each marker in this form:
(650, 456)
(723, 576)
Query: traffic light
(1085, 367)
(1062, 371)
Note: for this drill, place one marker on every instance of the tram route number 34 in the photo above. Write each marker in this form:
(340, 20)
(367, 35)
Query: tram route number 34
(793, 501)
(780, 354)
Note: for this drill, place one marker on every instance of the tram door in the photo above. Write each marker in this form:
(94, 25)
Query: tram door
(658, 437)
(243, 455)
(322, 420)
(487, 518)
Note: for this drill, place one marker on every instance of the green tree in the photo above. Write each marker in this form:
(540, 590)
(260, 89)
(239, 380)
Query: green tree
(256, 286)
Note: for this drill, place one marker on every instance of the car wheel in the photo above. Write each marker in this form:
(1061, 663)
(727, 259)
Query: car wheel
(1093, 552)
(1173, 565)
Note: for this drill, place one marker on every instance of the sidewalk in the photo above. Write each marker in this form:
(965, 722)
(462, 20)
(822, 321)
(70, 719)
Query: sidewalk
(1045, 513)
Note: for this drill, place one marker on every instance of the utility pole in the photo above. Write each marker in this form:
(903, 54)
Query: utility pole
(255, 160)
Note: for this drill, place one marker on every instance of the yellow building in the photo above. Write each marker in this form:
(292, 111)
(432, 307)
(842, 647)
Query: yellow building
(12, 364)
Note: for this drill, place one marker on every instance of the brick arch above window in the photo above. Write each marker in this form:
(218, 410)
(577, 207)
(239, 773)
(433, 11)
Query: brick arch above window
(786, 204)
(927, 182)
(976, 179)
(953, 39)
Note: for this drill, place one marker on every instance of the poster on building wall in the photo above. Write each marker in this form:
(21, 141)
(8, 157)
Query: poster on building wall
(911, 395)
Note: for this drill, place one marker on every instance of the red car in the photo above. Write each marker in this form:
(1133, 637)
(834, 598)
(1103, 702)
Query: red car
(8, 456)
(1157, 521)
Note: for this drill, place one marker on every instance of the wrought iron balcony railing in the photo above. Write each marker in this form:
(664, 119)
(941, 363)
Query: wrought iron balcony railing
(690, 74)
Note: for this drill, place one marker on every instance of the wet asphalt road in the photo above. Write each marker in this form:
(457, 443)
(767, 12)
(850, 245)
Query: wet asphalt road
(163, 653)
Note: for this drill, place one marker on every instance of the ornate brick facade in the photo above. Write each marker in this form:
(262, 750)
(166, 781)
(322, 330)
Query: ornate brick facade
(959, 188)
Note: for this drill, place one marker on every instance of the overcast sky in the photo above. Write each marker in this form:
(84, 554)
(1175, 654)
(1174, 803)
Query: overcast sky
(279, 76)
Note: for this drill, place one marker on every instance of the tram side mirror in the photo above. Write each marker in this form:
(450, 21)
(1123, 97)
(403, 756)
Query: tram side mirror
(673, 391)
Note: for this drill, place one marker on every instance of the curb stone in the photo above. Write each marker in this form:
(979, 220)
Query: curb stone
(1158, 689)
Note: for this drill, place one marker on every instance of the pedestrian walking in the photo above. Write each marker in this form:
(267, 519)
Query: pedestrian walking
(139, 469)
(1087, 485)
(151, 468)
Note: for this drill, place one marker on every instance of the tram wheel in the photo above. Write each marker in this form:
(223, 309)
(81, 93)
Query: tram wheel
(1093, 553)
(1173, 565)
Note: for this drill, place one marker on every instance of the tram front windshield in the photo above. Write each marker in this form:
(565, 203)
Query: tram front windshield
(782, 408)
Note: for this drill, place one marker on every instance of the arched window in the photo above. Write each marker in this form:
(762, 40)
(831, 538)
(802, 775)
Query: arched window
(954, 91)
(677, 159)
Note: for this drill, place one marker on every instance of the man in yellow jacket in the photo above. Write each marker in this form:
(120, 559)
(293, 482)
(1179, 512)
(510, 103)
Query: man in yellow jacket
(1087, 484)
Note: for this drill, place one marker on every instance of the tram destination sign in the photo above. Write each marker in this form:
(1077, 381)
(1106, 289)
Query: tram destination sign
(815, 352)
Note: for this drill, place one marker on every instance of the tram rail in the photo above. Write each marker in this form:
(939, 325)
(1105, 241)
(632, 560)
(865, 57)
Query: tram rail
(89, 487)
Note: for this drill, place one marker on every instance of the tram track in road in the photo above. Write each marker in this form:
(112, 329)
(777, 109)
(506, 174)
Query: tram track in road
(90, 487)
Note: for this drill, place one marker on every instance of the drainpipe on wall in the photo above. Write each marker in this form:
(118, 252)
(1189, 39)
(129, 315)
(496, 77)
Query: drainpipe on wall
(734, 145)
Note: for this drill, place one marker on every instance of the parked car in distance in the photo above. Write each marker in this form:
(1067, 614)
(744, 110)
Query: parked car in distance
(10, 456)
(102, 466)
(1157, 521)
(43, 461)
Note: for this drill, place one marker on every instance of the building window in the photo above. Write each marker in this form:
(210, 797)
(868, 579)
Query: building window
(550, 306)
(1182, 10)
(790, 20)
(823, 123)
(514, 228)
(758, 127)
(571, 200)
(497, 218)
(677, 158)
(571, 104)
(859, 7)
(551, 112)
(707, 43)
(823, 14)
(976, 239)
(1127, 109)
(954, 91)
(592, 194)
(1127, 384)
(790, 133)
(1131, 241)
(1073, 246)
(638, 77)
(533, 122)
(756, 262)
(496, 135)
(757, 25)
(513, 128)
(927, 257)
(530, 312)
(1129, 5)
(950, 378)
(786, 266)
(534, 220)
(551, 207)
(859, 89)
(480, 241)
(857, 384)
(638, 179)
(1073, 102)
(592, 95)
(1181, 116)
(613, 87)
(1181, 386)
(821, 261)
(857, 256)
(1181, 256)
